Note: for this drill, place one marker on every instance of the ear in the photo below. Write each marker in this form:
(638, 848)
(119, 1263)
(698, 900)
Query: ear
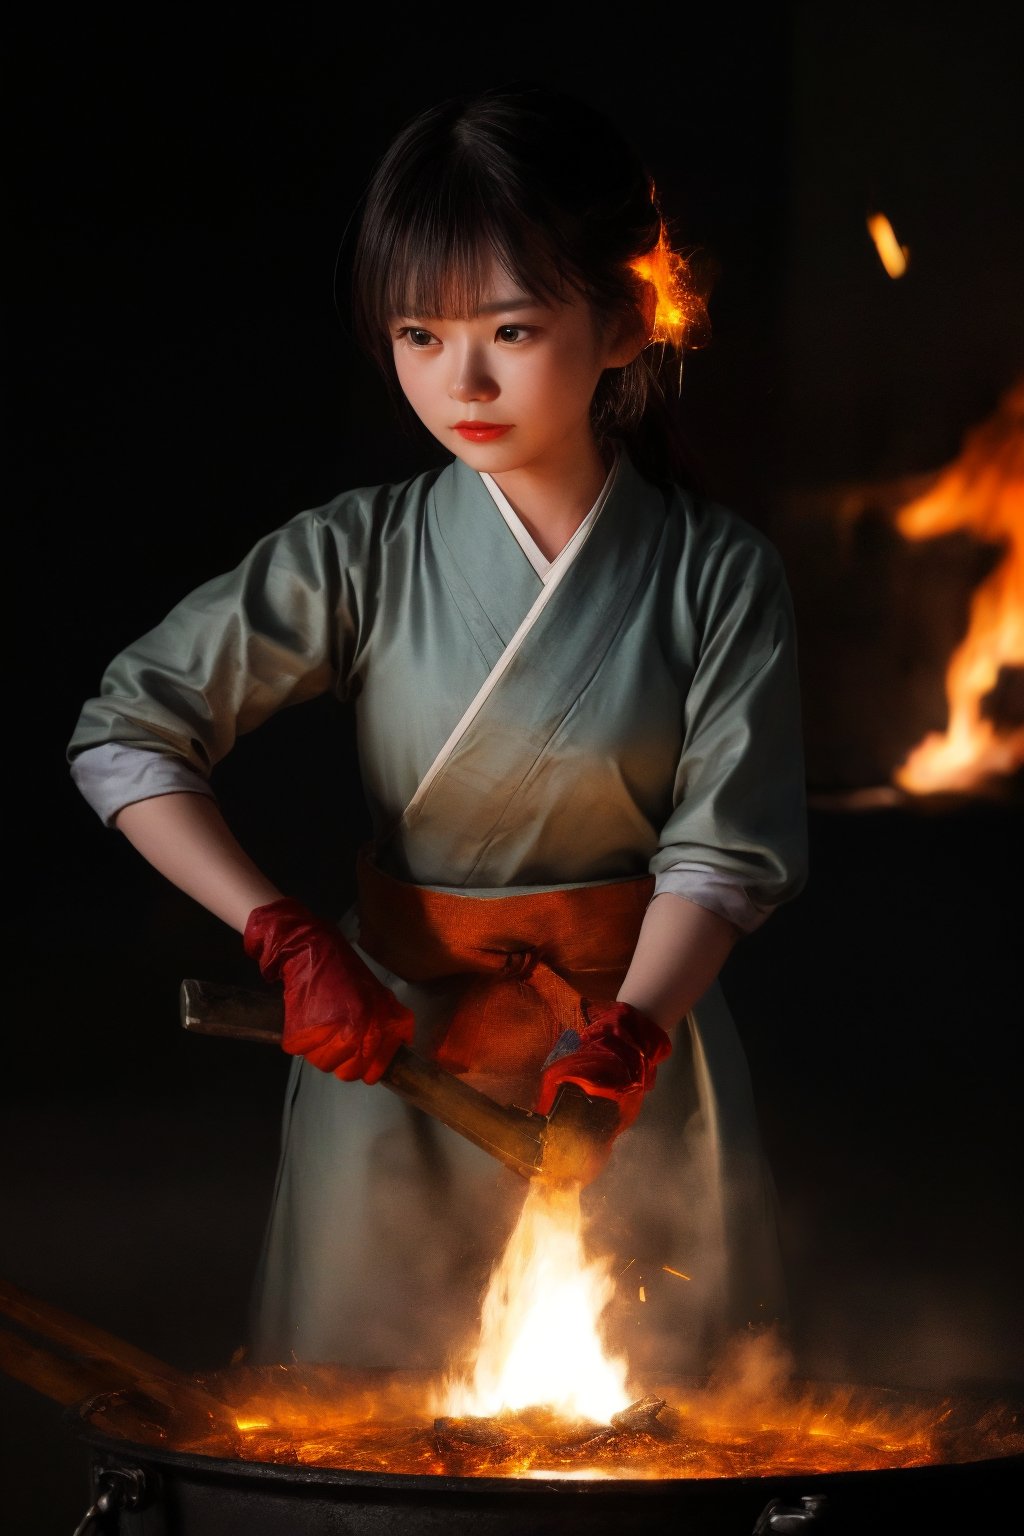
(628, 336)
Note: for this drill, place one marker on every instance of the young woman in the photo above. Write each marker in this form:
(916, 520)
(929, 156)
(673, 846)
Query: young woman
(578, 727)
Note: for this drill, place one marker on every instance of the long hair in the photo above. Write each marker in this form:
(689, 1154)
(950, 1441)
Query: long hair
(547, 186)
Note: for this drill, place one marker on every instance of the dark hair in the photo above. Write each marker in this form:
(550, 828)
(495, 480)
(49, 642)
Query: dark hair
(547, 185)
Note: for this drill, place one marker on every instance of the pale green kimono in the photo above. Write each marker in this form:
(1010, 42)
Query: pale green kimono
(647, 722)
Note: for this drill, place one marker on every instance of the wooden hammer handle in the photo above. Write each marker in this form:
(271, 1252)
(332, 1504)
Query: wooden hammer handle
(513, 1135)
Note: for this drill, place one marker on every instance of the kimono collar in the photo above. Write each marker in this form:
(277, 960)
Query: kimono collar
(536, 556)
(488, 571)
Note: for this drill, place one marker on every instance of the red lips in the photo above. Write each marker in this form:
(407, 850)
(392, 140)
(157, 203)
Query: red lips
(481, 431)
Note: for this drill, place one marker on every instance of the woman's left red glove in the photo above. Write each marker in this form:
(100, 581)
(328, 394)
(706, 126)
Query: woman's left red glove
(336, 1013)
(612, 1054)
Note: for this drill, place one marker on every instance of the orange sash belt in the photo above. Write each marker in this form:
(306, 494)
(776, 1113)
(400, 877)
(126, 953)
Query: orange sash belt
(514, 967)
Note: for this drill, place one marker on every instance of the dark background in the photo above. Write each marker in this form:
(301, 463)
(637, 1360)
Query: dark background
(180, 384)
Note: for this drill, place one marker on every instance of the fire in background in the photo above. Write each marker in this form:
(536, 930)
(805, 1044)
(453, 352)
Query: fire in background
(981, 492)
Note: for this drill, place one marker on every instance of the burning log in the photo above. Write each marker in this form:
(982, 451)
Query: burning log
(585, 1441)
(474, 1435)
(641, 1418)
(629, 1432)
(536, 1434)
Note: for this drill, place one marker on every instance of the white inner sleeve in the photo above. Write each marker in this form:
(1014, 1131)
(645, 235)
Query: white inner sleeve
(551, 577)
(718, 892)
(111, 776)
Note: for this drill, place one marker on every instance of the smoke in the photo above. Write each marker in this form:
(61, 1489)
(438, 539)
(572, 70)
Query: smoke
(752, 1369)
(875, 1302)
(663, 1239)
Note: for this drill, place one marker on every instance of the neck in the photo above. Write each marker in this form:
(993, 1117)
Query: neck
(552, 500)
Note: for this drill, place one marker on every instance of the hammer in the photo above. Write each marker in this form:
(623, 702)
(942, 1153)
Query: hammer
(568, 1145)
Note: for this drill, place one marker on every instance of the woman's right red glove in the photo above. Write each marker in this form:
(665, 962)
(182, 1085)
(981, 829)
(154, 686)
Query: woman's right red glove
(336, 1013)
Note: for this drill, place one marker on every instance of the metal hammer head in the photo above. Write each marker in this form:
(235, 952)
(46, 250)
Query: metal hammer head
(578, 1136)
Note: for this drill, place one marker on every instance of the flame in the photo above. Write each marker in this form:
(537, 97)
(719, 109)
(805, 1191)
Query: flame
(893, 256)
(680, 314)
(540, 1341)
(982, 491)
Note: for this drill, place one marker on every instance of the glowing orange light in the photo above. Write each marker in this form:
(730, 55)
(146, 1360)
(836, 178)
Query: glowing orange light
(680, 314)
(893, 256)
(540, 1340)
(677, 1272)
(983, 492)
(751, 1418)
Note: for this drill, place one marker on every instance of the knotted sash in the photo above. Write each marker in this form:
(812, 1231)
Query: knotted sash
(515, 966)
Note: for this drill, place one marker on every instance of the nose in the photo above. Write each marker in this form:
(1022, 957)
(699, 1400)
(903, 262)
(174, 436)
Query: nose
(471, 378)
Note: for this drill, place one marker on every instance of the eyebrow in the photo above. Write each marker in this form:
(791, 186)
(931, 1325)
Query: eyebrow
(497, 305)
(493, 307)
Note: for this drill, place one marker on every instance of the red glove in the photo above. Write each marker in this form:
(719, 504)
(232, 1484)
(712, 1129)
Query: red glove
(336, 1013)
(613, 1054)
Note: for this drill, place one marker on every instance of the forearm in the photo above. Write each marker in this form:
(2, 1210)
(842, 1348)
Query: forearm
(187, 840)
(680, 951)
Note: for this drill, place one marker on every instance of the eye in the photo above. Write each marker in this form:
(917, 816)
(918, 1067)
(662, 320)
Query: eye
(512, 333)
(416, 336)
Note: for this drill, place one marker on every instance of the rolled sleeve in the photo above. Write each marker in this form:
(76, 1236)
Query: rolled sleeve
(112, 776)
(272, 633)
(708, 888)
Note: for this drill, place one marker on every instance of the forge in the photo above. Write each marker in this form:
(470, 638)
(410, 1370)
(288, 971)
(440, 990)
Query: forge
(361, 1452)
(324, 1447)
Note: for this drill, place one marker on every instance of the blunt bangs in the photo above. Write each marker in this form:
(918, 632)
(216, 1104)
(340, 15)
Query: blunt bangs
(439, 268)
(432, 231)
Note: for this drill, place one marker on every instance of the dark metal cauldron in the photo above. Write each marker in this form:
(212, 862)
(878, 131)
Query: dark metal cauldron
(142, 1490)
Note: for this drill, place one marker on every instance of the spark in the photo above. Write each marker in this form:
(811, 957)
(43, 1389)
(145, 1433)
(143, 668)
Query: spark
(680, 313)
(893, 256)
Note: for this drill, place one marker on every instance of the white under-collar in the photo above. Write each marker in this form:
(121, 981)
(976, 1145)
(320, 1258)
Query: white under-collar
(540, 562)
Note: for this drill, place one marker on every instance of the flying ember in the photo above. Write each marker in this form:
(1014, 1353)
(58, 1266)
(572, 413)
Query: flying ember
(893, 256)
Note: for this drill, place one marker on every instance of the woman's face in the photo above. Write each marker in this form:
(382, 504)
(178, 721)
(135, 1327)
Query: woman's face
(508, 388)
